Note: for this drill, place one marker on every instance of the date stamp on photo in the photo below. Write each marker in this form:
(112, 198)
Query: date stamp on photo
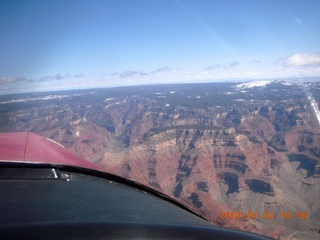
(265, 215)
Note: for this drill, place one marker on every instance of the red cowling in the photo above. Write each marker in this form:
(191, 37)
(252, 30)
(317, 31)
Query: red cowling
(30, 147)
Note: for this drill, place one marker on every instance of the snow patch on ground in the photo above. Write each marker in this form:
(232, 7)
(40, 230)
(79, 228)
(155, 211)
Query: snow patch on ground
(253, 84)
(286, 83)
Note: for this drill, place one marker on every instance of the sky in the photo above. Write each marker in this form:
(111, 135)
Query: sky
(68, 44)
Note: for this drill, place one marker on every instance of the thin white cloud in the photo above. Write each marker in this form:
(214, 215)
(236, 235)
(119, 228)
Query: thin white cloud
(214, 66)
(255, 61)
(142, 74)
(303, 60)
(233, 64)
(11, 79)
(165, 69)
(127, 74)
(57, 76)
(219, 66)
(60, 76)
(80, 75)
(45, 78)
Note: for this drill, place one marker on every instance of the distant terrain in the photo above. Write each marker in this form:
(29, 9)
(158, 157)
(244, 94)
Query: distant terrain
(245, 155)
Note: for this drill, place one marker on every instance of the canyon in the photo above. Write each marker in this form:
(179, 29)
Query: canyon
(242, 155)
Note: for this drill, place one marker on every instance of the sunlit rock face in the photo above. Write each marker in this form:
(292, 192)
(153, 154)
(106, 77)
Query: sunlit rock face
(217, 147)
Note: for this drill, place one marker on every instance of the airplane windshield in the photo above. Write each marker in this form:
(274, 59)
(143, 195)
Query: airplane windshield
(213, 103)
